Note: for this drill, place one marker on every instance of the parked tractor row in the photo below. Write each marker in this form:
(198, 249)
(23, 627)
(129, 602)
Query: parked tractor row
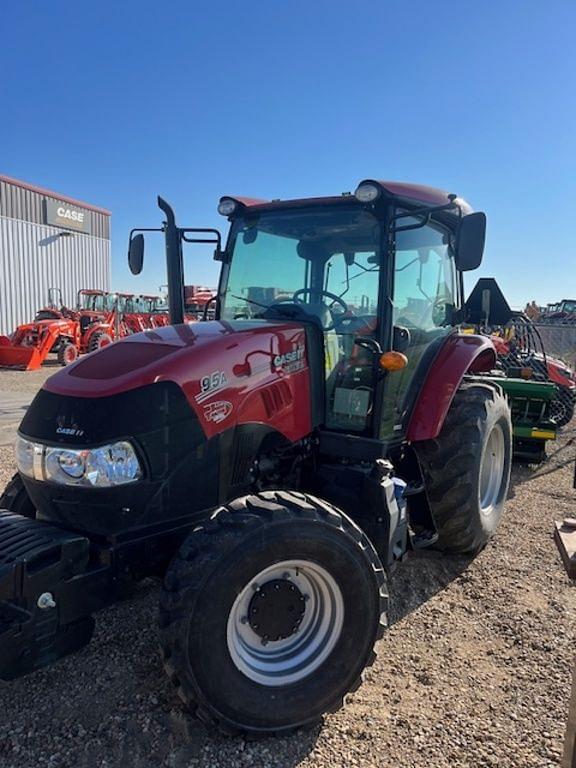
(98, 319)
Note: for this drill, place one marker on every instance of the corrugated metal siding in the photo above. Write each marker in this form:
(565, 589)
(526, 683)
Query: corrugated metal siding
(34, 258)
(20, 203)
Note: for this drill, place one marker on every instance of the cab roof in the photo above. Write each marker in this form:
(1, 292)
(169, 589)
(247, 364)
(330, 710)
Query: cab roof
(412, 194)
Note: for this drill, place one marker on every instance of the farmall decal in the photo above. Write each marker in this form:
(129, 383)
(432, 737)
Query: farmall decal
(218, 411)
(290, 362)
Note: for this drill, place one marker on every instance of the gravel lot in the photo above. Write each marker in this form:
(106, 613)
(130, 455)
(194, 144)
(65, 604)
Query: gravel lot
(475, 670)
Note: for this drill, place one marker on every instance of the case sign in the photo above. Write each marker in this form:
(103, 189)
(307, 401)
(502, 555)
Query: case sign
(68, 216)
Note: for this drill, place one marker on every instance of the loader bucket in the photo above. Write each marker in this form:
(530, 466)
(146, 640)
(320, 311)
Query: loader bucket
(22, 358)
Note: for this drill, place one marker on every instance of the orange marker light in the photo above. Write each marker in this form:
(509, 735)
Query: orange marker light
(393, 361)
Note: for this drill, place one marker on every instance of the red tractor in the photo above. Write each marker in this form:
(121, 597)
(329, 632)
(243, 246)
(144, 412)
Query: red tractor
(271, 465)
(54, 329)
(197, 300)
(58, 329)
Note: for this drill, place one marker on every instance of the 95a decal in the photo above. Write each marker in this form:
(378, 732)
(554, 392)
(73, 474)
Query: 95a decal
(210, 384)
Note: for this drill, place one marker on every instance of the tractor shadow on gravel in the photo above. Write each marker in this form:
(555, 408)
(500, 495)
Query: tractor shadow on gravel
(420, 577)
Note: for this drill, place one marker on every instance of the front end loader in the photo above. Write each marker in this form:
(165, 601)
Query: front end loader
(30, 344)
(270, 465)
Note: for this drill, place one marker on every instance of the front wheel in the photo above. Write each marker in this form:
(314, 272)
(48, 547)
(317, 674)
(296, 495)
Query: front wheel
(467, 468)
(67, 353)
(270, 612)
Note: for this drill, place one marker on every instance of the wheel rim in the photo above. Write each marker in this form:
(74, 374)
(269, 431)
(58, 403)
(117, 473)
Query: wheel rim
(492, 470)
(292, 588)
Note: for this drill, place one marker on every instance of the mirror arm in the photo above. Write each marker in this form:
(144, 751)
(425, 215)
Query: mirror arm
(426, 212)
(137, 231)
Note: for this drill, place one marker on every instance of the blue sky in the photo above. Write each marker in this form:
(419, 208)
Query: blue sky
(115, 102)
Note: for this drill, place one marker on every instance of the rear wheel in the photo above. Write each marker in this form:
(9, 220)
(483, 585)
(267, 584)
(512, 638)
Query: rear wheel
(467, 468)
(98, 341)
(270, 612)
(67, 353)
(15, 498)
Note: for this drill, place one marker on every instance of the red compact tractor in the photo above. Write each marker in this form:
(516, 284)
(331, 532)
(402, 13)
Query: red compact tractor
(270, 465)
(56, 328)
(97, 321)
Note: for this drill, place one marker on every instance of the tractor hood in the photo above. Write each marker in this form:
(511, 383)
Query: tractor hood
(221, 367)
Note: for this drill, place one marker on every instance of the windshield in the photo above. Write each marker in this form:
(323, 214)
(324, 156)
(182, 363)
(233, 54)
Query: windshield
(323, 260)
(94, 302)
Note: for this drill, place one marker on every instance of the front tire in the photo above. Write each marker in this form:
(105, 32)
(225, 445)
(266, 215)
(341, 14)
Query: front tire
(270, 612)
(467, 468)
(67, 353)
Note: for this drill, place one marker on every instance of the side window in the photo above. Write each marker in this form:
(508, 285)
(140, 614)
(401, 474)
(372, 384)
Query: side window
(424, 280)
(423, 299)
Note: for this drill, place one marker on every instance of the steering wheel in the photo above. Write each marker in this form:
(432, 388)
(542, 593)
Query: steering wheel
(335, 300)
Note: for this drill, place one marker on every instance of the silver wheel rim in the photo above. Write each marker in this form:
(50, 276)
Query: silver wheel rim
(492, 470)
(293, 658)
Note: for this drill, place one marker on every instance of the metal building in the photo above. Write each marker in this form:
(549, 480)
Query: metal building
(47, 241)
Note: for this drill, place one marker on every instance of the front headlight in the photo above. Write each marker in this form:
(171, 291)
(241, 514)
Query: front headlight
(25, 456)
(102, 467)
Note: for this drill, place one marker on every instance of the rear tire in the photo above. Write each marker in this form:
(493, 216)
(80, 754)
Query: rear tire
(270, 612)
(98, 341)
(15, 498)
(467, 468)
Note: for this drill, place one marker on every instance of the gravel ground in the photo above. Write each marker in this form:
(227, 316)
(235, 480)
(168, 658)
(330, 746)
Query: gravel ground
(475, 670)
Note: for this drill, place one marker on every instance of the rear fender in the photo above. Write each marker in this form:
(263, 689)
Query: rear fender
(460, 354)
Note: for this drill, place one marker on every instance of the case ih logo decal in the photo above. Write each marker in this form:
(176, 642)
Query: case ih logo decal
(290, 362)
(217, 411)
(211, 384)
(69, 431)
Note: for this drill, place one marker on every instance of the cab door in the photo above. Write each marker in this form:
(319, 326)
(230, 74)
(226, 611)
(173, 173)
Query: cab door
(424, 298)
(349, 368)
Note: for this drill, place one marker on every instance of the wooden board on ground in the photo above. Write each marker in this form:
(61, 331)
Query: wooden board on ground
(565, 538)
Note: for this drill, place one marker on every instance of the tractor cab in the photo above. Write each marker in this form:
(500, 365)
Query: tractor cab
(374, 277)
(91, 300)
(377, 274)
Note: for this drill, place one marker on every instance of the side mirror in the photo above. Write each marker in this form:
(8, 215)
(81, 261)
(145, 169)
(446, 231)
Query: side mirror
(470, 237)
(136, 254)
